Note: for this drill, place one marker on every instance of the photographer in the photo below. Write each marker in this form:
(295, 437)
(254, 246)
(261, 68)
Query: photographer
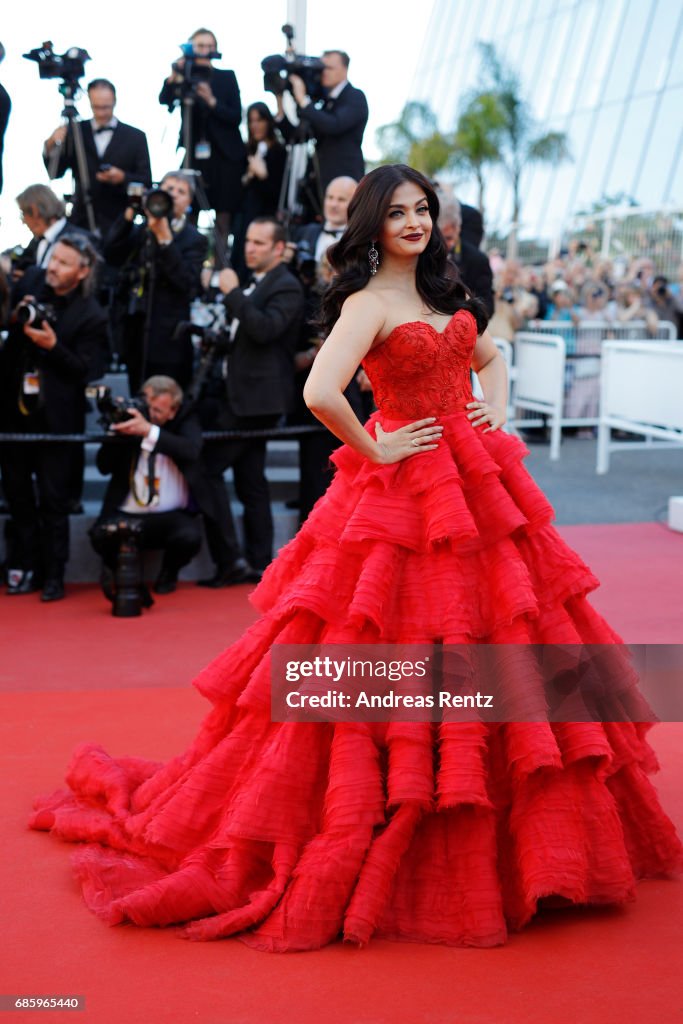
(337, 123)
(661, 302)
(259, 387)
(163, 259)
(215, 114)
(471, 263)
(116, 154)
(44, 367)
(44, 215)
(151, 474)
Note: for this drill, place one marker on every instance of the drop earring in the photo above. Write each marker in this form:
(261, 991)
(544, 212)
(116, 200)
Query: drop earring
(373, 258)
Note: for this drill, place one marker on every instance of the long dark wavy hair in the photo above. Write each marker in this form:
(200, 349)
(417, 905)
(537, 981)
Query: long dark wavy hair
(437, 278)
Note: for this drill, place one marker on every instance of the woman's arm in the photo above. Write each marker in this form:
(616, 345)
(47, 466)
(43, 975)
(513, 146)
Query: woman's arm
(489, 365)
(362, 318)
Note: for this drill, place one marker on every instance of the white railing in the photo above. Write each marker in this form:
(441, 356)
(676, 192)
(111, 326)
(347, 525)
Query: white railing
(539, 364)
(583, 352)
(641, 392)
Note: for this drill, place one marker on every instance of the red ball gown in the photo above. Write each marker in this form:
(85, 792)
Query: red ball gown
(291, 835)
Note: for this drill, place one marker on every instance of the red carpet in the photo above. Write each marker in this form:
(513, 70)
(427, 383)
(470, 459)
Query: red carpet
(70, 672)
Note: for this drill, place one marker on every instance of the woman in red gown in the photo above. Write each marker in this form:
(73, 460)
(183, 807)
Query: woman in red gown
(293, 834)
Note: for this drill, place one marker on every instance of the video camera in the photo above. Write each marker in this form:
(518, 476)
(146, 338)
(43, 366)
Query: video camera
(278, 67)
(113, 408)
(192, 72)
(69, 66)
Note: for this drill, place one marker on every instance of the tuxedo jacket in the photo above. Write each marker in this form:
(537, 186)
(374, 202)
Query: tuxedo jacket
(180, 439)
(475, 271)
(177, 269)
(220, 125)
(338, 126)
(31, 251)
(127, 150)
(260, 366)
(76, 359)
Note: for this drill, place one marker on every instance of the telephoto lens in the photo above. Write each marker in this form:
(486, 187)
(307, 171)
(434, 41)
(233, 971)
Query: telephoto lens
(158, 203)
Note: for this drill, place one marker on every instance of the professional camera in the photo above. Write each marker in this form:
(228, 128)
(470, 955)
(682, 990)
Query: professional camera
(20, 259)
(156, 202)
(113, 408)
(212, 338)
(35, 314)
(70, 65)
(278, 67)
(192, 72)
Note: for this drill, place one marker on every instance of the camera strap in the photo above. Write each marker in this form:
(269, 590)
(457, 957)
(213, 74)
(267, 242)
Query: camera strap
(152, 493)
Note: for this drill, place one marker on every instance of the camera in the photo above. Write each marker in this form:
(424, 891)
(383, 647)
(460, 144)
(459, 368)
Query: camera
(156, 202)
(212, 339)
(278, 67)
(35, 314)
(70, 65)
(112, 408)
(507, 295)
(192, 72)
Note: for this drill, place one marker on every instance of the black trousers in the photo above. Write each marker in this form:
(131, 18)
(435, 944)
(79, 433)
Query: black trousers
(39, 482)
(248, 461)
(176, 533)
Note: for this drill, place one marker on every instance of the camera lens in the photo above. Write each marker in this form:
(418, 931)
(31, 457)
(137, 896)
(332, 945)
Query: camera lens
(159, 203)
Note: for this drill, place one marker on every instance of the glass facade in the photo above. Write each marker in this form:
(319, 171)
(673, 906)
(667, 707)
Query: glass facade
(609, 73)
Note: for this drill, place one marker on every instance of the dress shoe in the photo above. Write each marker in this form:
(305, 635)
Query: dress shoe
(53, 590)
(239, 572)
(166, 581)
(21, 581)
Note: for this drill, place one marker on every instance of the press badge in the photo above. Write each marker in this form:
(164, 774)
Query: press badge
(31, 383)
(202, 150)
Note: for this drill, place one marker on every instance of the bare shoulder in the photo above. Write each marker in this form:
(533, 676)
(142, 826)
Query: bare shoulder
(366, 303)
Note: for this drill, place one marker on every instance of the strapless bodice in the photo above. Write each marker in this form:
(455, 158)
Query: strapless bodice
(419, 371)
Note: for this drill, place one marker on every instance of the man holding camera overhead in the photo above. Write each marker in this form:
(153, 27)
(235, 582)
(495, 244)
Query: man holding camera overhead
(211, 118)
(116, 155)
(54, 348)
(337, 123)
(163, 258)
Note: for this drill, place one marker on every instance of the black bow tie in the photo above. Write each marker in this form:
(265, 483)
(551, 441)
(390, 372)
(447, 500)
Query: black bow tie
(333, 232)
(104, 128)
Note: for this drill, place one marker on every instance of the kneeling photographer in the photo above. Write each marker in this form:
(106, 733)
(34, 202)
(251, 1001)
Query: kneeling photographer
(161, 261)
(56, 345)
(152, 469)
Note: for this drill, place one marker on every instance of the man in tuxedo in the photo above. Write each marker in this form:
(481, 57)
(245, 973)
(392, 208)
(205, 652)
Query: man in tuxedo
(319, 237)
(44, 368)
(151, 480)
(472, 263)
(337, 124)
(116, 154)
(44, 215)
(165, 257)
(265, 323)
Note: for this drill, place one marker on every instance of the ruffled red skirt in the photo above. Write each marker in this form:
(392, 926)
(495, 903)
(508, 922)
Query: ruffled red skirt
(293, 834)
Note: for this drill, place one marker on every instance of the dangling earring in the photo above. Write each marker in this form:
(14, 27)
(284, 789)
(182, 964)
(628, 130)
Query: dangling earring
(373, 258)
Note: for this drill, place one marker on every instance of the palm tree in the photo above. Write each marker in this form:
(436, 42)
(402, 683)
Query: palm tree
(522, 141)
(477, 138)
(415, 139)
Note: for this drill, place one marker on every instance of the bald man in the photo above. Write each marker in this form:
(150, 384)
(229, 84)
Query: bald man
(320, 237)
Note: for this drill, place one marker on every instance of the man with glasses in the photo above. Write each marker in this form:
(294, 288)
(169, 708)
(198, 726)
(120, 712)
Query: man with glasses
(55, 346)
(116, 154)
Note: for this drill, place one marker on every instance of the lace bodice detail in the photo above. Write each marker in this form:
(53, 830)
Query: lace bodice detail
(419, 371)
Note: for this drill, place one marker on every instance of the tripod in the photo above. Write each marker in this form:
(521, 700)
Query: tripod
(219, 242)
(74, 137)
(300, 190)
